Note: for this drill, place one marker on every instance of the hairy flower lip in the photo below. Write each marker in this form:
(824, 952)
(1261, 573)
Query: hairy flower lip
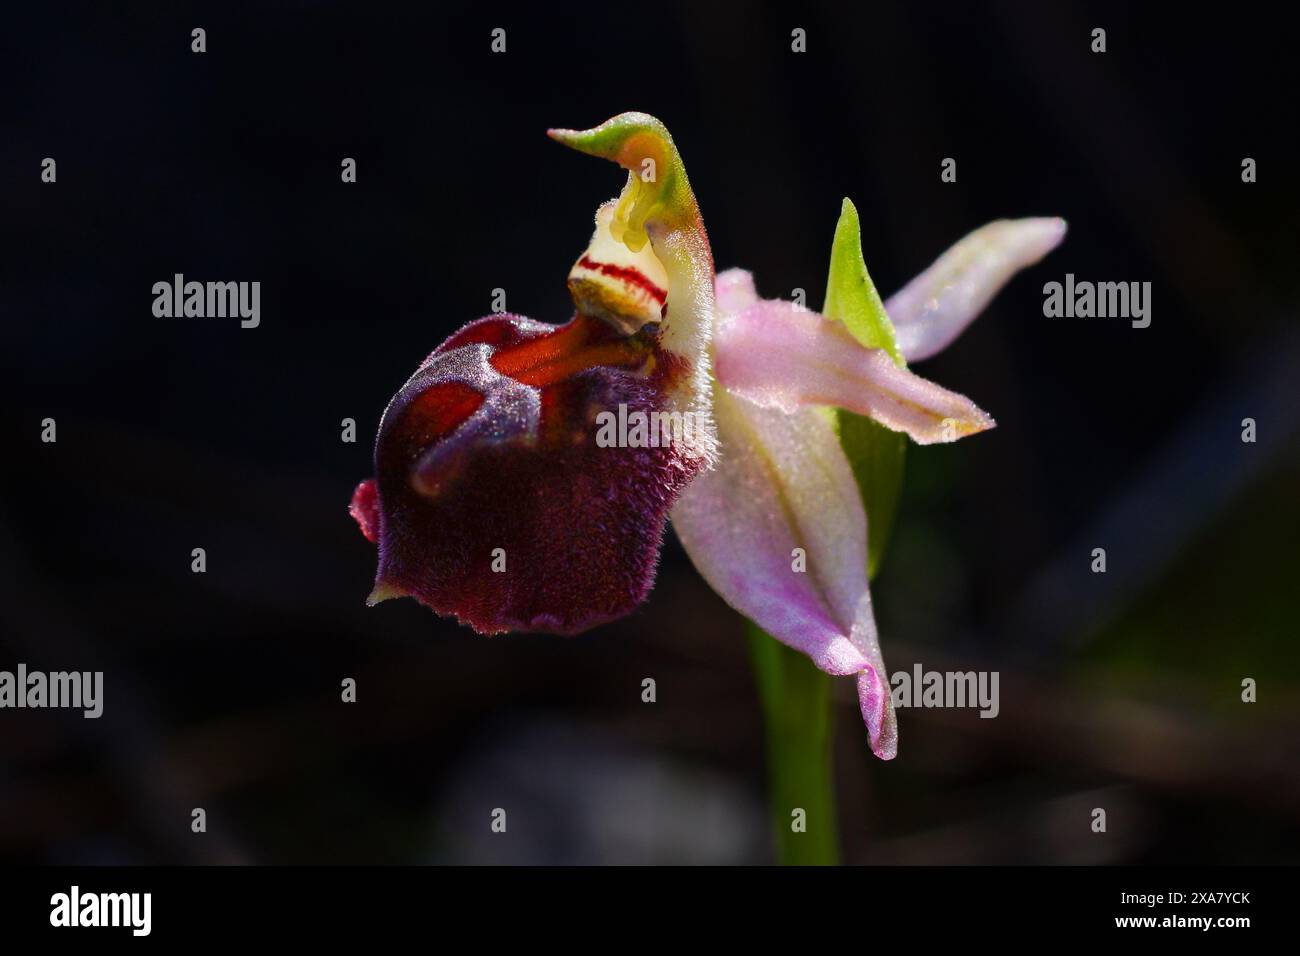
(515, 478)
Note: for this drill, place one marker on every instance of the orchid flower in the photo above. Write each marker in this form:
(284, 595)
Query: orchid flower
(492, 500)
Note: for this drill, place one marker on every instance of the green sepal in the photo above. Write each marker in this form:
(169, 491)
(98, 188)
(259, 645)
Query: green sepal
(875, 453)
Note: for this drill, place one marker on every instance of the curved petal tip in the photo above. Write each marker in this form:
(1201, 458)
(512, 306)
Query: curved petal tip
(878, 713)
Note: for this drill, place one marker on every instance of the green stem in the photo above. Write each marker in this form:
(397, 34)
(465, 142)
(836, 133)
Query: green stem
(797, 713)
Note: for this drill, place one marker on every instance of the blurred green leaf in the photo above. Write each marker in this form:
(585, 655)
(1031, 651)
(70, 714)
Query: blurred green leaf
(875, 453)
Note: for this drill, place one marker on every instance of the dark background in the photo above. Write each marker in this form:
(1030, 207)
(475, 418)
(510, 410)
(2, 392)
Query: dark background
(222, 689)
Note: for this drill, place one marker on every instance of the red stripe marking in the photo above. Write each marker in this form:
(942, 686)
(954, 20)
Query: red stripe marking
(626, 274)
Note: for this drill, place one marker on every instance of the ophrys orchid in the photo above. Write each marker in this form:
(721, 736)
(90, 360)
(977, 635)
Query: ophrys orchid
(494, 502)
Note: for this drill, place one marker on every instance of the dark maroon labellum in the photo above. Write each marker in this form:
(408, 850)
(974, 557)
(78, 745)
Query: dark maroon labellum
(492, 500)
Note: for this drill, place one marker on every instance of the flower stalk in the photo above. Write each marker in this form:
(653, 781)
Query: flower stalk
(799, 719)
(800, 729)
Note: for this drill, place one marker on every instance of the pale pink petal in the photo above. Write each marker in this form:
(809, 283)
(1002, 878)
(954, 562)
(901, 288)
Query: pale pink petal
(777, 529)
(878, 712)
(778, 355)
(734, 290)
(936, 306)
